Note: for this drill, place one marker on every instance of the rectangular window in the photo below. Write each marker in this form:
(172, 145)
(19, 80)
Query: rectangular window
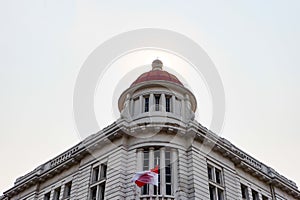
(146, 104)
(255, 195)
(218, 176)
(95, 176)
(157, 102)
(101, 190)
(157, 163)
(168, 172)
(47, 196)
(145, 188)
(67, 190)
(244, 190)
(165, 168)
(94, 193)
(216, 185)
(212, 192)
(97, 189)
(220, 194)
(168, 103)
(56, 194)
(103, 171)
(209, 172)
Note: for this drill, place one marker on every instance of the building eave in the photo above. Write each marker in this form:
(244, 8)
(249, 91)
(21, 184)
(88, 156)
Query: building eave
(194, 129)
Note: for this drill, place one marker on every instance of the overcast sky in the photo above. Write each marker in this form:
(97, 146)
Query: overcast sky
(254, 45)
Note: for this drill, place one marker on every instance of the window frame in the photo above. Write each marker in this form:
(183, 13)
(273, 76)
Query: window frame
(244, 187)
(67, 190)
(157, 152)
(98, 185)
(168, 101)
(215, 186)
(47, 196)
(146, 103)
(255, 194)
(157, 102)
(56, 194)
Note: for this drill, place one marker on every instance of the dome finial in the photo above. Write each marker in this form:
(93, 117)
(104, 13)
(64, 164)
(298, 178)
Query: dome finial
(157, 64)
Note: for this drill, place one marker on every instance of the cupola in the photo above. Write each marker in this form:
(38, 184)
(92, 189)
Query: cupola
(159, 95)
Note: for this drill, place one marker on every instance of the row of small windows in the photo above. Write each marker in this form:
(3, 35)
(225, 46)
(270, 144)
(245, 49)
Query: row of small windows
(255, 195)
(57, 191)
(157, 103)
(217, 187)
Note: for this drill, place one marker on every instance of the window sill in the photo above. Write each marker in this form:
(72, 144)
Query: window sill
(158, 197)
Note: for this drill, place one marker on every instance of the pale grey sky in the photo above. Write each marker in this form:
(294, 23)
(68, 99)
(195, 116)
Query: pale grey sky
(254, 45)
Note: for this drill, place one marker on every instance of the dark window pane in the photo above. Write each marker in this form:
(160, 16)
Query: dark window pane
(254, 195)
(212, 192)
(155, 189)
(146, 104)
(56, 194)
(103, 171)
(95, 176)
(244, 190)
(168, 179)
(67, 191)
(145, 189)
(168, 170)
(218, 176)
(168, 189)
(168, 104)
(209, 172)
(220, 194)
(102, 191)
(264, 197)
(94, 193)
(47, 196)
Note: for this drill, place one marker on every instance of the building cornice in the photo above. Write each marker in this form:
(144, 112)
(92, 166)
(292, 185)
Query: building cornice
(193, 129)
(243, 160)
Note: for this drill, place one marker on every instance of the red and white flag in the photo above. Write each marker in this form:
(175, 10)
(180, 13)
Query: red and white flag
(146, 177)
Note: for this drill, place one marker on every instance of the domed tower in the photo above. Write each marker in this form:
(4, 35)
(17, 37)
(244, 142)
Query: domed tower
(157, 97)
(155, 110)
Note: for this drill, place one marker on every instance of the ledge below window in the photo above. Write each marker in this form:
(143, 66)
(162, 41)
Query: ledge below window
(158, 197)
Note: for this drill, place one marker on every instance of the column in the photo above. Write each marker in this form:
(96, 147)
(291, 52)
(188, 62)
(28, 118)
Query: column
(162, 171)
(141, 104)
(163, 102)
(131, 107)
(183, 109)
(139, 162)
(139, 167)
(174, 161)
(173, 104)
(249, 192)
(151, 103)
(151, 166)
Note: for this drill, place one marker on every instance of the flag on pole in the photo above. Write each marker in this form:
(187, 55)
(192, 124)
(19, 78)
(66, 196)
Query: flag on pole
(146, 177)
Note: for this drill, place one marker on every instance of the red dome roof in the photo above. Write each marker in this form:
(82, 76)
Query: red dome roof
(156, 75)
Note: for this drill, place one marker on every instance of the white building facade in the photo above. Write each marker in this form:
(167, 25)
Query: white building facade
(156, 127)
